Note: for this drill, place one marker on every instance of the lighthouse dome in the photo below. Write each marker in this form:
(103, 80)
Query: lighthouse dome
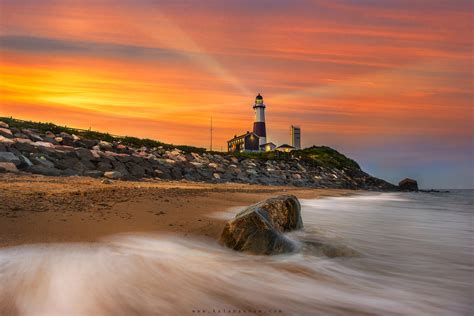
(258, 99)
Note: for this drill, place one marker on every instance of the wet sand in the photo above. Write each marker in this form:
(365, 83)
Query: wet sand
(39, 209)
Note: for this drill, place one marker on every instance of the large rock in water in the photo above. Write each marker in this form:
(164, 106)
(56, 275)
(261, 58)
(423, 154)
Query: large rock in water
(259, 228)
(408, 185)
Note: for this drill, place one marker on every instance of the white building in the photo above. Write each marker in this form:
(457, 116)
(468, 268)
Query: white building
(295, 132)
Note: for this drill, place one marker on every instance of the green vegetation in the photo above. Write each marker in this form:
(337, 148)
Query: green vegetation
(264, 155)
(325, 157)
(89, 134)
(316, 155)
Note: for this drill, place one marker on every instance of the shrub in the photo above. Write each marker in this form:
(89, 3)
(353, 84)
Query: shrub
(326, 157)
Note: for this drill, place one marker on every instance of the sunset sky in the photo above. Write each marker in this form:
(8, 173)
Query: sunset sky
(388, 83)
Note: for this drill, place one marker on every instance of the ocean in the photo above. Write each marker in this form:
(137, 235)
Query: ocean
(367, 254)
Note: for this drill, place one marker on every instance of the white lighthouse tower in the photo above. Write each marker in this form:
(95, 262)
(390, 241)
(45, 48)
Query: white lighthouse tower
(259, 124)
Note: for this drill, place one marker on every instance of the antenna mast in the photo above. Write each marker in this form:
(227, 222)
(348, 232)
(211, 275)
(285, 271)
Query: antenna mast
(211, 134)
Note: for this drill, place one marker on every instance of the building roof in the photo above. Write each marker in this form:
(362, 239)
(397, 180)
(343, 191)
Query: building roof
(259, 97)
(243, 135)
(285, 146)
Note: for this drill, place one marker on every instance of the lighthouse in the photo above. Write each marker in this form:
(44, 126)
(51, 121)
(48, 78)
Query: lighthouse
(259, 124)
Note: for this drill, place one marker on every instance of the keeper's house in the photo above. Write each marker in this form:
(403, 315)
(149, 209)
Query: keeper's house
(246, 142)
(285, 148)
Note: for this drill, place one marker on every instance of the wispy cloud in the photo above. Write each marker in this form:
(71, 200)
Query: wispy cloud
(38, 45)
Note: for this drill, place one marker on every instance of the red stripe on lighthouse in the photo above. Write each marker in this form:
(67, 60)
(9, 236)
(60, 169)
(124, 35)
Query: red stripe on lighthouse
(259, 129)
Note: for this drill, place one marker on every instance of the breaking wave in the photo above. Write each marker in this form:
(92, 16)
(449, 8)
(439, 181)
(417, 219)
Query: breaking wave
(388, 254)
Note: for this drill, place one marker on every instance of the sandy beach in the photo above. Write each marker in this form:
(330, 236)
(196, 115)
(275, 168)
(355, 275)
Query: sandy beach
(77, 246)
(39, 209)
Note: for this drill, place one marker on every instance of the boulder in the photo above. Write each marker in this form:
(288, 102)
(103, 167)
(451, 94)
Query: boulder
(69, 172)
(3, 125)
(25, 162)
(176, 173)
(8, 167)
(9, 157)
(135, 158)
(88, 165)
(6, 132)
(85, 143)
(65, 135)
(44, 144)
(54, 154)
(296, 176)
(65, 148)
(5, 141)
(49, 135)
(162, 174)
(196, 157)
(66, 139)
(191, 175)
(24, 145)
(44, 170)
(104, 166)
(84, 154)
(136, 170)
(103, 145)
(205, 173)
(93, 173)
(176, 155)
(112, 174)
(197, 164)
(42, 161)
(95, 154)
(408, 184)
(124, 158)
(259, 228)
(20, 135)
(213, 165)
(166, 161)
(120, 167)
(216, 167)
(252, 172)
(69, 163)
(32, 135)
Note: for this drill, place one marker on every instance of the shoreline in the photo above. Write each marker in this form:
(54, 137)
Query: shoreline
(40, 209)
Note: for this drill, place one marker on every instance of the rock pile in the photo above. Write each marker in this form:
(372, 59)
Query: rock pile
(62, 154)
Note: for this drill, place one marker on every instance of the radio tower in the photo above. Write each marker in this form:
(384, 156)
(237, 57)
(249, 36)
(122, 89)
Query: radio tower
(211, 135)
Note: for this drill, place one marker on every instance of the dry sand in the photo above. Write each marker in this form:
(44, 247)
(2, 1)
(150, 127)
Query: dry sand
(38, 209)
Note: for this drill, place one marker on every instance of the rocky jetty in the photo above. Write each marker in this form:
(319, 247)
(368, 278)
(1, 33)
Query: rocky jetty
(67, 154)
(259, 228)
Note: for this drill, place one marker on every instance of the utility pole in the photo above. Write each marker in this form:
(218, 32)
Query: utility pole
(211, 134)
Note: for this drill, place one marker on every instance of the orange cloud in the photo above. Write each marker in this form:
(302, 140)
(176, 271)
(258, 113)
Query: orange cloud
(162, 71)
